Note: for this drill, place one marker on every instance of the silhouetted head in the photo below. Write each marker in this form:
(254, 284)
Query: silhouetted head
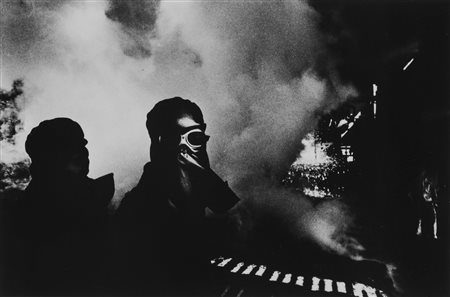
(57, 147)
(176, 127)
(178, 151)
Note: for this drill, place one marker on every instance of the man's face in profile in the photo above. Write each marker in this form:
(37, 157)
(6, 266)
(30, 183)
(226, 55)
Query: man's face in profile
(78, 161)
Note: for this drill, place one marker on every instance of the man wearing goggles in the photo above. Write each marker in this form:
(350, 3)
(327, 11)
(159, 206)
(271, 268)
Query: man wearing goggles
(190, 143)
(165, 214)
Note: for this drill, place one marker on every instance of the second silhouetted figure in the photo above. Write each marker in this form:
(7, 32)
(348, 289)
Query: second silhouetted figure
(63, 215)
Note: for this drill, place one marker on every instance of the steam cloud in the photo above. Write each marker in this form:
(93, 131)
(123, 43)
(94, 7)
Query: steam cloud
(259, 71)
(137, 19)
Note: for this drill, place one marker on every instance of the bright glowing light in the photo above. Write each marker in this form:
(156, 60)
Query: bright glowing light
(358, 290)
(237, 267)
(249, 269)
(213, 261)
(328, 285)
(300, 281)
(341, 287)
(419, 228)
(435, 224)
(374, 89)
(287, 278)
(342, 123)
(374, 109)
(316, 192)
(407, 64)
(314, 166)
(315, 284)
(224, 262)
(313, 153)
(261, 270)
(274, 276)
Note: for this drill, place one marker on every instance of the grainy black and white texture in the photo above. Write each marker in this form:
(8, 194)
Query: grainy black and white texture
(361, 83)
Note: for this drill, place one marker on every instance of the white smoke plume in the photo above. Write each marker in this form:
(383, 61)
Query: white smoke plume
(259, 70)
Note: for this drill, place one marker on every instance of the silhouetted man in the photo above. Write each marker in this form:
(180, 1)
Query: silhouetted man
(162, 220)
(63, 213)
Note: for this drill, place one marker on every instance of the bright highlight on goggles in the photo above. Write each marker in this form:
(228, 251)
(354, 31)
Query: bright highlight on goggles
(194, 138)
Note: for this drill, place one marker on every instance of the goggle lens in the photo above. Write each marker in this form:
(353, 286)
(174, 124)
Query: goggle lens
(197, 138)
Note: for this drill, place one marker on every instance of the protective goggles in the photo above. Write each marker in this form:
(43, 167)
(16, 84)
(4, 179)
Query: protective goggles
(194, 138)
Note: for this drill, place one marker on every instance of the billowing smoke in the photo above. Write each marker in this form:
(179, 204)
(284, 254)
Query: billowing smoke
(259, 70)
(137, 19)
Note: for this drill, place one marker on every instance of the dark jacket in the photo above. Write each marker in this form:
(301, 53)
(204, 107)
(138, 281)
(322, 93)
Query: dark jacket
(164, 242)
(64, 233)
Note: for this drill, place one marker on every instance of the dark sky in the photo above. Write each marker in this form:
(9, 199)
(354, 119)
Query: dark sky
(368, 37)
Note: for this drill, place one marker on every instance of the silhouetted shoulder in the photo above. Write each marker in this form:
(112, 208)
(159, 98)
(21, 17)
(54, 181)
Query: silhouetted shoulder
(104, 188)
(11, 253)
